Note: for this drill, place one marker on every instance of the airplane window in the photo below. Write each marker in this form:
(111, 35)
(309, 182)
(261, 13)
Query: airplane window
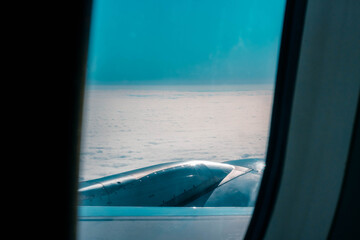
(177, 109)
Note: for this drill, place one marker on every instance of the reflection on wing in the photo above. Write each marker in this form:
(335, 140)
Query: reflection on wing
(191, 183)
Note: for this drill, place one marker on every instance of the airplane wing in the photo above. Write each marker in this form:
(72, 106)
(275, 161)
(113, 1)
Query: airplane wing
(190, 183)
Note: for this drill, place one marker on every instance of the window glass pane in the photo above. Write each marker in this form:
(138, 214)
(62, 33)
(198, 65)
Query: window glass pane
(177, 110)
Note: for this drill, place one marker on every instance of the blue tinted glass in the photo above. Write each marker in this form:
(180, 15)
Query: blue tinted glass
(176, 117)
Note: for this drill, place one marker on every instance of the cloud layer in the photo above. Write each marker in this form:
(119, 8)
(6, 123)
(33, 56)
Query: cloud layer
(125, 129)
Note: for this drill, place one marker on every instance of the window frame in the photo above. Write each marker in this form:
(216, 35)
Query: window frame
(284, 88)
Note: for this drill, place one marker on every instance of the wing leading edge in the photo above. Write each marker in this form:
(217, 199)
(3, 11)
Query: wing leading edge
(191, 183)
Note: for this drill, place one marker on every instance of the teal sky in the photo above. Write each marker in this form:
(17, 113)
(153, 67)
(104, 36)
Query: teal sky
(182, 42)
